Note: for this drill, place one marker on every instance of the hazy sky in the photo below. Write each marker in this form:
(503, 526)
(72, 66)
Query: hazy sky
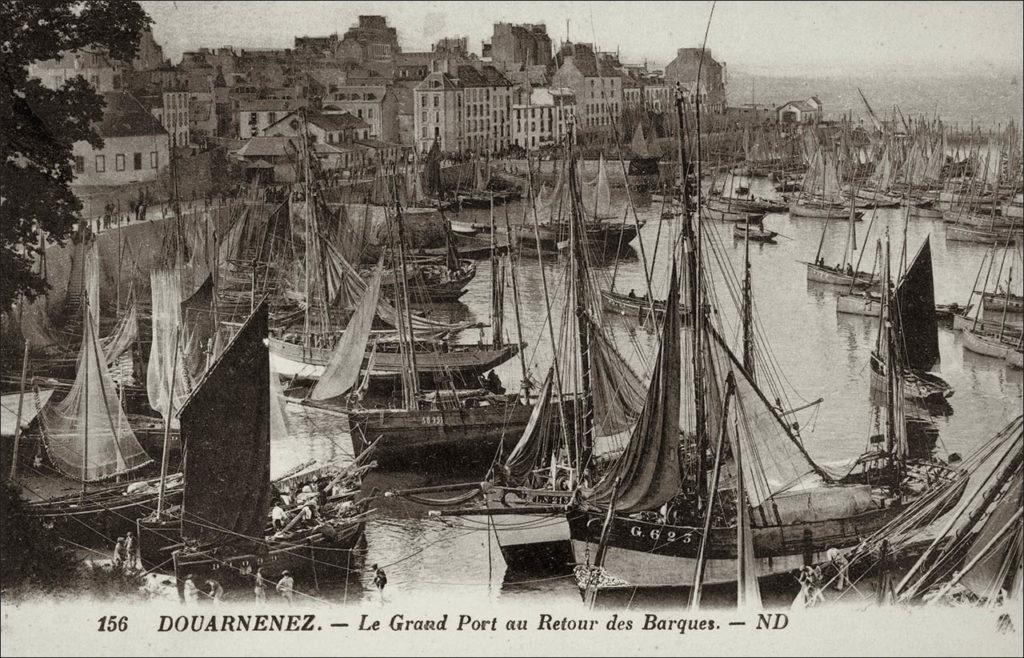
(763, 37)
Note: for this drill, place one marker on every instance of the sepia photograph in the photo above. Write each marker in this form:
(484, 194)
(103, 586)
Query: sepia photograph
(511, 328)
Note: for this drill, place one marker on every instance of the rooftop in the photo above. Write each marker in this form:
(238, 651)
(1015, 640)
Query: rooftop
(125, 116)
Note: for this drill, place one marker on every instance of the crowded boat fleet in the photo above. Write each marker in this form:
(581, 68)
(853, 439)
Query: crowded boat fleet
(159, 405)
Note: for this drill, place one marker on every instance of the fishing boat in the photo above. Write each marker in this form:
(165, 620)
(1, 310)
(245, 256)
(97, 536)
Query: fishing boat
(846, 273)
(1000, 301)
(739, 217)
(994, 345)
(641, 527)
(436, 282)
(821, 210)
(910, 324)
(958, 233)
(631, 305)
(753, 233)
(534, 481)
(223, 518)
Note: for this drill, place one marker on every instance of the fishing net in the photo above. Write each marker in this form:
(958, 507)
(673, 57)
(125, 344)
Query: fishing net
(165, 360)
(87, 434)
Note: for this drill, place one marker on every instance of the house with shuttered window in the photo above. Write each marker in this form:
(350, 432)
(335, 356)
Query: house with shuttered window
(135, 145)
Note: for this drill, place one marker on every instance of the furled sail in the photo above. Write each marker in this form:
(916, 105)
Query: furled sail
(915, 327)
(648, 473)
(618, 391)
(342, 370)
(35, 323)
(87, 434)
(537, 443)
(225, 431)
(166, 289)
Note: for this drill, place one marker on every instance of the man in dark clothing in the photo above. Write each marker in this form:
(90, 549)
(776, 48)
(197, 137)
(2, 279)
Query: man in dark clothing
(380, 579)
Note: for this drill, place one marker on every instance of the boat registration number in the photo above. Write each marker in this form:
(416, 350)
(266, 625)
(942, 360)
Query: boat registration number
(434, 420)
(658, 534)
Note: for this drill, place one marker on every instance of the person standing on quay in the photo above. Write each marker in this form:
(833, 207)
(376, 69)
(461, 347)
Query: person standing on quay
(216, 590)
(286, 586)
(260, 587)
(130, 558)
(119, 554)
(190, 591)
(380, 579)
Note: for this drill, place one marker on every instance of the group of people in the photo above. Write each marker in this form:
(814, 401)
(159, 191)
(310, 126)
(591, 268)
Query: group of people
(812, 578)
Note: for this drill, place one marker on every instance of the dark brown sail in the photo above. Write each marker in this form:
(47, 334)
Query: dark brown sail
(647, 474)
(225, 429)
(915, 328)
(537, 442)
(197, 330)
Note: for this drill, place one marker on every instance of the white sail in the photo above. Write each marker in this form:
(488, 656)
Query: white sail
(342, 370)
(87, 435)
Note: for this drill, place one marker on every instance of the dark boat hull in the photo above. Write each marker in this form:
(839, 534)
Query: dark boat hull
(408, 438)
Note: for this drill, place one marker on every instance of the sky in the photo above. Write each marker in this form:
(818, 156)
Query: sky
(779, 38)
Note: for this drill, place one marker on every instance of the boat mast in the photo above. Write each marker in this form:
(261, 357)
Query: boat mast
(85, 426)
(547, 302)
(748, 335)
(705, 538)
(497, 287)
(21, 394)
(513, 267)
(693, 302)
(412, 392)
(166, 451)
(583, 321)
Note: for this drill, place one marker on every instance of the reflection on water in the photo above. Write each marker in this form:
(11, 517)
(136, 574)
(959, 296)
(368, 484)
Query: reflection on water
(820, 353)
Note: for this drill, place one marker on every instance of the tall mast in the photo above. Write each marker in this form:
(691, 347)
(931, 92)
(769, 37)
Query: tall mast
(166, 451)
(748, 334)
(87, 329)
(693, 302)
(412, 394)
(513, 267)
(582, 315)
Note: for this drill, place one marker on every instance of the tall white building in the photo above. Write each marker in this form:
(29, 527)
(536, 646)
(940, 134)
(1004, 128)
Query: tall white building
(545, 119)
(468, 110)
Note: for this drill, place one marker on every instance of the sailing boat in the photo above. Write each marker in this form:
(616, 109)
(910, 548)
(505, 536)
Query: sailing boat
(910, 326)
(649, 522)
(820, 196)
(527, 495)
(225, 426)
(445, 423)
(844, 273)
(1002, 340)
(486, 190)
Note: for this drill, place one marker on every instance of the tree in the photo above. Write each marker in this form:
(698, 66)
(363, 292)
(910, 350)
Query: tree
(38, 126)
(33, 556)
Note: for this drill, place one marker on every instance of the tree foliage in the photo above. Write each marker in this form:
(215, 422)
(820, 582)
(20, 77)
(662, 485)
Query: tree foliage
(32, 555)
(38, 126)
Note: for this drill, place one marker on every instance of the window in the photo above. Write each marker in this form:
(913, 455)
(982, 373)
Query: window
(119, 162)
(137, 161)
(437, 100)
(359, 113)
(425, 132)
(271, 117)
(154, 160)
(101, 164)
(79, 164)
(369, 113)
(117, 82)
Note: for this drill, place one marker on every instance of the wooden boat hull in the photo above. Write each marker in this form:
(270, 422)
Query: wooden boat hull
(997, 302)
(638, 307)
(958, 233)
(464, 366)
(919, 386)
(819, 274)
(859, 305)
(537, 541)
(732, 216)
(408, 439)
(94, 519)
(312, 558)
(651, 554)
(818, 211)
(754, 234)
(961, 322)
(989, 345)
(925, 213)
(605, 235)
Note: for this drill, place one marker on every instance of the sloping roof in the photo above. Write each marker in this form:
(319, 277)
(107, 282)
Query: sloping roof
(270, 105)
(125, 116)
(342, 121)
(267, 147)
(436, 80)
(487, 76)
(803, 106)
